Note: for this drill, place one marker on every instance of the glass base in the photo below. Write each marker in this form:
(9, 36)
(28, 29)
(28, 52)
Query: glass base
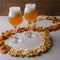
(29, 34)
(16, 39)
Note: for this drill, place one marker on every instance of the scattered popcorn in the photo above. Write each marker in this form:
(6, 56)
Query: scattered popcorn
(43, 47)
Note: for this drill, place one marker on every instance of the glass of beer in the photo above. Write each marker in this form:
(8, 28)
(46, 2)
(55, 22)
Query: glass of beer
(30, 14)
(15, 18)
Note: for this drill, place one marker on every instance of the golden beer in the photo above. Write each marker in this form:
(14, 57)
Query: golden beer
(15, 21)
(30, 16)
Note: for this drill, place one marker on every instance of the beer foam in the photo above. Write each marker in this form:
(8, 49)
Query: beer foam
(14, 11)
(29, 8)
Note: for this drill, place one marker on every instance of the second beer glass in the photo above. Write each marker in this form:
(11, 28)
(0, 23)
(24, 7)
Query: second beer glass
(30, 14)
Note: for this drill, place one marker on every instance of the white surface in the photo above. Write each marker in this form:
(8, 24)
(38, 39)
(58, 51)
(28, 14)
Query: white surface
(53, 54)
(27, 43)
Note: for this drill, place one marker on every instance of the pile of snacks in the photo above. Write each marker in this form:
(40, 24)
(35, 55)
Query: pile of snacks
(45, 39)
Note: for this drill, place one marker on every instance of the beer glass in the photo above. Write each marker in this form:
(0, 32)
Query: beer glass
(30, 14)
(15, 18)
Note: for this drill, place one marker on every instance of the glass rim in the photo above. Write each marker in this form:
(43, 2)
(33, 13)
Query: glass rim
(30, 4)
(29, 7)
(15, 8)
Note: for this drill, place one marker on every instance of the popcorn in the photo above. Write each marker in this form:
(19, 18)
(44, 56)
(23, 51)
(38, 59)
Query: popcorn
(43, 47)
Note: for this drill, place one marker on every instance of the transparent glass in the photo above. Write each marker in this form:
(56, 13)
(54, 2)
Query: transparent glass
(15, 18)
(30, 14)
